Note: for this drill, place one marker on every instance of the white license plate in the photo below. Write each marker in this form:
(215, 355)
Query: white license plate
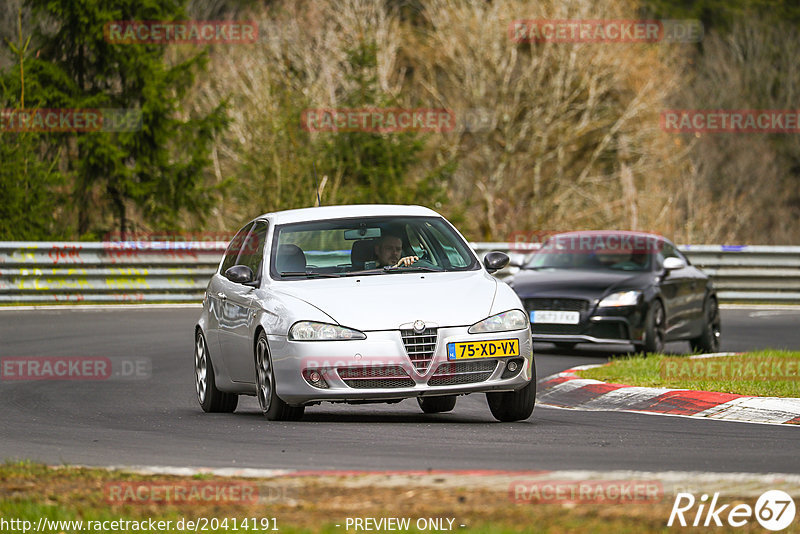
(555, 317)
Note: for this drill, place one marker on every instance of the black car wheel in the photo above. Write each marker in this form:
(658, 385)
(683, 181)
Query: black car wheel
(210, 398)
(709, 340)
(271, 405)
(437, 404)
(655, 328)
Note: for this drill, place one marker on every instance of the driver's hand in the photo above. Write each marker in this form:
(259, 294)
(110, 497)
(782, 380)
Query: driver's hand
(405, 262)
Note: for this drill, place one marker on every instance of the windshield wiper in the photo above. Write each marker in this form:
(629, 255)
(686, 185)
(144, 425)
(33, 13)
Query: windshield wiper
(312, 274)
(412, 268)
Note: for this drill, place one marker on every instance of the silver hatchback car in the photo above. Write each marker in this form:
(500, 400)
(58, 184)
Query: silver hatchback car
(357, 304)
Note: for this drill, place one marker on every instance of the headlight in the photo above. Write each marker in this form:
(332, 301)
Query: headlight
(313, 331)
(622, 298)
(502, 322)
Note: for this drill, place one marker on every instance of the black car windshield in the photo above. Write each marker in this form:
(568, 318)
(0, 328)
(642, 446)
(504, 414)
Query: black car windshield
(597, 252)
(367, 246)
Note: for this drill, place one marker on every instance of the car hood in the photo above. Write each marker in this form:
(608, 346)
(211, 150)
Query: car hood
(576, 283)
(386, 301)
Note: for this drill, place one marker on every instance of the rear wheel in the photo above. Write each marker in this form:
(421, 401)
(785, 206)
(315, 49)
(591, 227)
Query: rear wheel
(709, 339)
(271, 405)
(437, 404)
(210, 398)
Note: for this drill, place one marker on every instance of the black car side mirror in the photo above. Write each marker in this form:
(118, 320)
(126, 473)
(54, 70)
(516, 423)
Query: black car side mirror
(239, 274)
(494, 261)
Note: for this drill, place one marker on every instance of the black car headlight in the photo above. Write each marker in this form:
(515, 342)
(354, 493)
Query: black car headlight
(620, 298)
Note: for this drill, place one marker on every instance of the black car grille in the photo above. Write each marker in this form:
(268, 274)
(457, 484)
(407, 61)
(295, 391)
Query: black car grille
(547, 328)
(420, 347)
(387, 376)
(448, 374)
(578, 305)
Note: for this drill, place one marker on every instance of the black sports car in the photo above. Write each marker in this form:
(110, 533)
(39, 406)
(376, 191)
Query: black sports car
(617, 287)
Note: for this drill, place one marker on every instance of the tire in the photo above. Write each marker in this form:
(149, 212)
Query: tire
(709, 339)
(210, 398)
(561, 345)
(654, 332)
(271, 405)
(437, 404)
(517, 405)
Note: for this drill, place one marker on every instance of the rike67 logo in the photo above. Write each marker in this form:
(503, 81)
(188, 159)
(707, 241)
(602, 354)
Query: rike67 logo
(774, 510)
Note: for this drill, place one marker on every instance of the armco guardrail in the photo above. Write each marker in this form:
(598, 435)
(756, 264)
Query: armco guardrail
(141, 271)
(126, 271)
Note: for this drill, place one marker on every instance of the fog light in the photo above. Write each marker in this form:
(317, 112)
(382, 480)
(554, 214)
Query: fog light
(512, 366)
(314, 377)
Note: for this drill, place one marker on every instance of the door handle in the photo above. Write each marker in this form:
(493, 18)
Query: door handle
(222, 296)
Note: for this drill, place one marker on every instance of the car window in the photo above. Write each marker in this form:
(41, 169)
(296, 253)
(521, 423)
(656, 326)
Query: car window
(617, 252)
(232, 252)
(252, 251)
(347, 246)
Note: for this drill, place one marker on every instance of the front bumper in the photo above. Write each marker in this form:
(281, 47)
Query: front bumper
(380, 369)
(597, 325)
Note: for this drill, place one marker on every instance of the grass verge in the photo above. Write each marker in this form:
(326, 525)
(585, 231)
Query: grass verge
(764, 373)
(305, 504)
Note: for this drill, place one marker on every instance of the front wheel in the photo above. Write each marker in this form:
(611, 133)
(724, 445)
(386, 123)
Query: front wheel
(709, 339)
(271, 405)
(655, 329)
(210, 398)
(437, 404)
(514, 405)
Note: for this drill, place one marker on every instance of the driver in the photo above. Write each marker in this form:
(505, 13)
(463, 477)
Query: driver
(388, 250)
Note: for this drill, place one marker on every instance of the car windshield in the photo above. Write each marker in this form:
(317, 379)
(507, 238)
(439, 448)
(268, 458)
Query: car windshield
(374, 245)
(597, 252)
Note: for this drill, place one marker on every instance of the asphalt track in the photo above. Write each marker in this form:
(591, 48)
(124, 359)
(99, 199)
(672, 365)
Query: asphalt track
(155, 419)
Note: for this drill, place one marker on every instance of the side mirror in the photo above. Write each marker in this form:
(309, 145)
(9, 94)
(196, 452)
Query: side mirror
(239, 274)
(672, 264)
(494, 261)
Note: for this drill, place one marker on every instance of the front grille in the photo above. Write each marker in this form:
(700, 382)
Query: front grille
(547, 328)
(419, 347)
(578, 305)
(449, 374)
(382, 376)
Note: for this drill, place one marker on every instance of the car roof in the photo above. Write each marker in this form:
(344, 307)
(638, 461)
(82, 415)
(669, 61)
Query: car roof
(353, 210)
(631, 233)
